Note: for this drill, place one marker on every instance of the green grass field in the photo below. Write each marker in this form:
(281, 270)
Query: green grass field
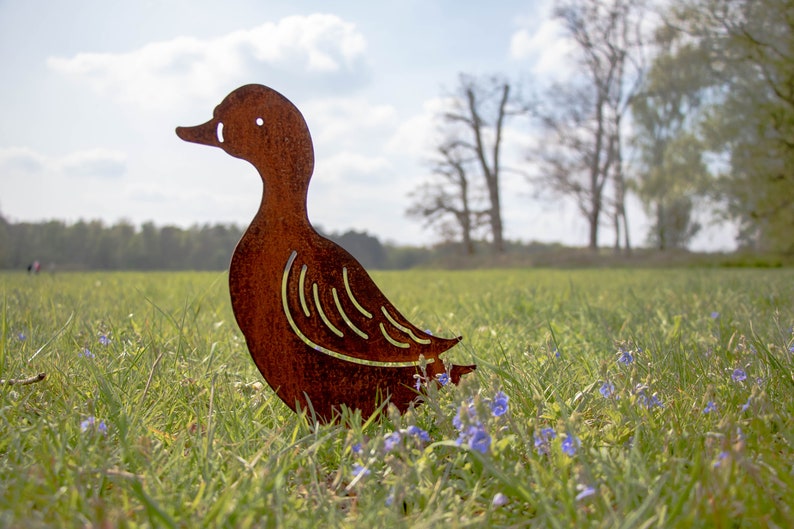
(650, 398)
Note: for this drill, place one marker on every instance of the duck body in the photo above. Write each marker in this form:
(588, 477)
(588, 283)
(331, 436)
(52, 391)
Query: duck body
(318, 328)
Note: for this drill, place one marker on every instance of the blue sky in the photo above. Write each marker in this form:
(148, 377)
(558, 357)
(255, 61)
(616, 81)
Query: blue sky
(93, 90)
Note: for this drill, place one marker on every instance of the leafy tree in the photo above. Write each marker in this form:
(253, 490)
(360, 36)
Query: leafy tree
(750, 121)
(671, 172)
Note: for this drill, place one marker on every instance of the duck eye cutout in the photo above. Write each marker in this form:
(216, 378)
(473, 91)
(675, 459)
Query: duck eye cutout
(259, 122)
(219, 132)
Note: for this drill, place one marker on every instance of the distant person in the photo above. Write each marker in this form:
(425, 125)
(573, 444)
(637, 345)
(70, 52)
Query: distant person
(34, 267)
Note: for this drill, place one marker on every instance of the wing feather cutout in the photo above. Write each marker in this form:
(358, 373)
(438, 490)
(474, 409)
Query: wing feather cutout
(331, 318)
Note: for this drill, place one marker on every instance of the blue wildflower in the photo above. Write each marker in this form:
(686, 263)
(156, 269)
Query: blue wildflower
(607, 389)
(415, 431)
(392, 440)
(357, 448)
(467, 409)
(710, 407)
(625, 357)
(499, 500)
(556, 353)
(643, 399)
(443, 379)
(739, 375)
(85, 353)
(791, 349)
(479, 439)
(720, 458)
(499, 404)
(21, 337)
(584, 491)
(715, 315)
(104, 340)
(91, 423)
(542, 440)
(570, 444)
(418, 382)
(746, 405)
(359, 470)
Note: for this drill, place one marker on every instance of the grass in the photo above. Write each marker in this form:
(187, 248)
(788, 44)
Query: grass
(646, 398)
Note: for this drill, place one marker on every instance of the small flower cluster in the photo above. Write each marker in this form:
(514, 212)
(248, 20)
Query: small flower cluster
(92, 425)
(442, 379)
(104, 340)
(391, 442)
(569, 445)
(647, 399)
(471, 429)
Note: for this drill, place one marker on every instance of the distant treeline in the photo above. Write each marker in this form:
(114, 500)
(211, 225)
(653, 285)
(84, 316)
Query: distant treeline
(93, 245)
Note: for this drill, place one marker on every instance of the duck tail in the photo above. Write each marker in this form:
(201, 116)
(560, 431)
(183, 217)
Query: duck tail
(458, 371)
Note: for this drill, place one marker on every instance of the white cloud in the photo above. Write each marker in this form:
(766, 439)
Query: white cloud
(346, 121)
(21, 159)
(91, 162)
(546, 47)
(103, 163)
(418, 136)
(162, 74)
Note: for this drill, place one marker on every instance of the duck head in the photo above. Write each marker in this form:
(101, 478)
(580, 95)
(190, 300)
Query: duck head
(259, 125)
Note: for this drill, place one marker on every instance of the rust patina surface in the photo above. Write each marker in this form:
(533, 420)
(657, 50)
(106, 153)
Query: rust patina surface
(318, 328)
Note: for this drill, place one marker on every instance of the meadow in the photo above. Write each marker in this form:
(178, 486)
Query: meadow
(603, 398)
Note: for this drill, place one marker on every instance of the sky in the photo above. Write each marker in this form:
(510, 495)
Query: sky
(93, 89)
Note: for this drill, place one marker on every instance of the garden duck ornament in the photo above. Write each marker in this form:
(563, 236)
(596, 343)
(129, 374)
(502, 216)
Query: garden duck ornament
(318, 328)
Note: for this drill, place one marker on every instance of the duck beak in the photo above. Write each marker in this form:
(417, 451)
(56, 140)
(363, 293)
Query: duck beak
(209, 133)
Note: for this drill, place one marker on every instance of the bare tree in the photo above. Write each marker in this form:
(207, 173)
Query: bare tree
(585, 118)
(447, 202)
(482, 106)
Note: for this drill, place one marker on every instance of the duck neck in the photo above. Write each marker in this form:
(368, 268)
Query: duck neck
(283, 206)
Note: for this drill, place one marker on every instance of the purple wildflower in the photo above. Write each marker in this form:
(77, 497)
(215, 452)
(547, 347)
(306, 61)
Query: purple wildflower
(359, 470)
(499, 404)
(499, 500)
(85, 353)
(720, 458)
(710, 407)
(21, 337)
(392, 440)
(104, 339)
(644, 399)
(607, 389)
(443, 379)
(479, 439)
(625, 357)
(466, 414)
(542, 440)
(417, 432)
(746, 405)
(739, 375)
(91, 423)
(715, 315)
(584, 491)
(570, 444)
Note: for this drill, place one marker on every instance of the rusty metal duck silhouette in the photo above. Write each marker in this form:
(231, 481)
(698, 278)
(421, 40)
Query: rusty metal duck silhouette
(318, 328)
